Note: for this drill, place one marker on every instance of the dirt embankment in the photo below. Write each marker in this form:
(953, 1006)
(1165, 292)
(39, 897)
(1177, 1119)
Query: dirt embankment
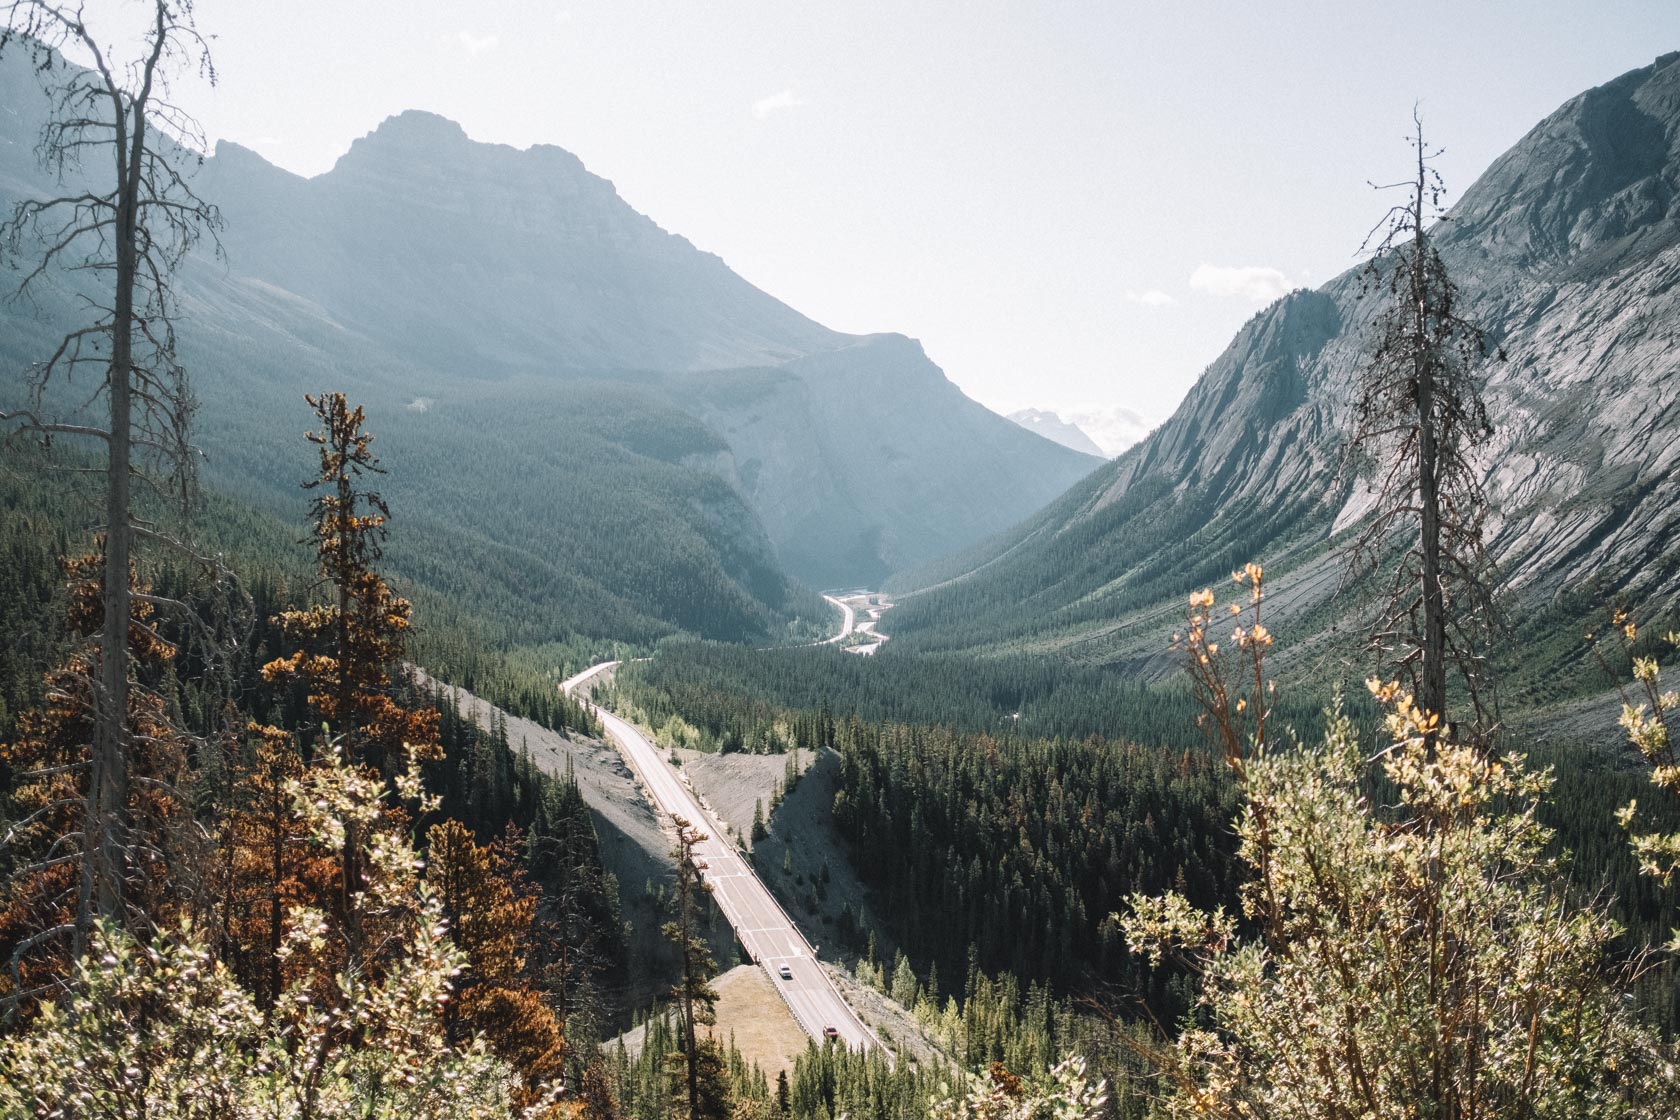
(732, 785)
(803, 859)
(752, 1014)
(893, 1024)
(803, 862)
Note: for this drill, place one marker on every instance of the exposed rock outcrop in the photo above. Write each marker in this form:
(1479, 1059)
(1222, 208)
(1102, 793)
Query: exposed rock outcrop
(1567, 250)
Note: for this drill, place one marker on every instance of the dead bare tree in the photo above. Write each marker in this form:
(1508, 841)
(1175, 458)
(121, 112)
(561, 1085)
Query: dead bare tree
(1417, 423)
(118, 230)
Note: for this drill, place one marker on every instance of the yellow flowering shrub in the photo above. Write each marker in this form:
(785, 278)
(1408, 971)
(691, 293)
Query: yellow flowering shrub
(1647, 711)
(1404, 955)
(162, 1031)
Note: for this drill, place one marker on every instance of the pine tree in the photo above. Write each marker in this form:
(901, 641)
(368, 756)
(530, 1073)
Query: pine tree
(580, 932)
(903, 982)
(270, 865)
(791, 772)
(594, 1093)
(130, 227)
(696, 998)
(490, 909)
(49, 837)
(701, 1086)
(350, 643)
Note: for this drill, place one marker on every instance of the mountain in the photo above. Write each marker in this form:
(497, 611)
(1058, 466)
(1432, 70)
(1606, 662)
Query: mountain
(1567, 250)
(1105, 430)
(1053, 427)
(579, 408)
(864, 460)
(481, 262)
(484, 260)
(1114, 428)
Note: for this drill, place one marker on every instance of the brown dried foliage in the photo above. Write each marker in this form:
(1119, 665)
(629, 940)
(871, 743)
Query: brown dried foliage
(49, 764)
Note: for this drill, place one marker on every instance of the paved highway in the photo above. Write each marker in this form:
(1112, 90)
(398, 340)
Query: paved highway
(846, 625)
(764, 928)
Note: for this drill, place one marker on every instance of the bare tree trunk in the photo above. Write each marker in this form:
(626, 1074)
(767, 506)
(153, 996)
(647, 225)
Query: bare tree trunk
(276, 915)
(104, 868)
(1432, 676)
(131, 234)
(343, 724)
(350, 869)
(1417, 422)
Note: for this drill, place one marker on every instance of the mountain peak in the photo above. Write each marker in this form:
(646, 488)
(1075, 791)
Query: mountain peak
(1052, 427)
(419, 126)
(1566, 251)
(411, 134)
(416, 137)
(1598, 174)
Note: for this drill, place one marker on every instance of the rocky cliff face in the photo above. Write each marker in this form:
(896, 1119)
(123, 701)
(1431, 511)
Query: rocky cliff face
(1567, 251)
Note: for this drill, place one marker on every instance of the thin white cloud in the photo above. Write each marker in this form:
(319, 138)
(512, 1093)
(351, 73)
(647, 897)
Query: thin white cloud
(476, 45)
(1251, 282)
(1154, 297)
(775, 103)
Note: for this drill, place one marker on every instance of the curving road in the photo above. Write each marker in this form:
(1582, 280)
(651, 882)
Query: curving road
(851, 603)
(770, 936)
(847, 624)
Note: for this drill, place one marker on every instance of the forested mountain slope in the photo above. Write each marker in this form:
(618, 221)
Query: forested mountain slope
(1567, 251)
(864, 460)
(560, 378)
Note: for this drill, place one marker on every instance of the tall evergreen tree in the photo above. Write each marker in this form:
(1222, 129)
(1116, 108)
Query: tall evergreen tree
(50, 769)
(269, 865)
(696, 998)
(490, 907)
(351, 642)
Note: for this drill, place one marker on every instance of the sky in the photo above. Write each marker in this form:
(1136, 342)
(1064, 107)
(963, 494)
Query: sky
(1070, 204)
